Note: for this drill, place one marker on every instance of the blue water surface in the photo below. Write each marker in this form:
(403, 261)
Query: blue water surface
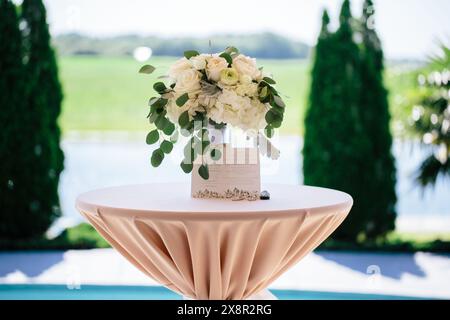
(95, 292)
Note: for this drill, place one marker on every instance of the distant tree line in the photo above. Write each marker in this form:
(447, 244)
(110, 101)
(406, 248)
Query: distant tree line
(262, 45)
(31, 159)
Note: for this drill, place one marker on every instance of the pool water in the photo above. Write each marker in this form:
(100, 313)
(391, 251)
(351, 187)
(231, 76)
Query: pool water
(95, 292)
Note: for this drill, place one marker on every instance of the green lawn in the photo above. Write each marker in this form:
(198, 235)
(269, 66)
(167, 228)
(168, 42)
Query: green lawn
(104, 93)
(108, 94)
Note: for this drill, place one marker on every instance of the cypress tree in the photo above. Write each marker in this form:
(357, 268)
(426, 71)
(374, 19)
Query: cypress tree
(40, 159)
(317, 123)
(43, 68)
(14, 147)
(336, 146)
(375, 118)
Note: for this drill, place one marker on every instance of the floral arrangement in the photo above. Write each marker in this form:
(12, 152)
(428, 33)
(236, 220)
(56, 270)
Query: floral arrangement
(204, 91)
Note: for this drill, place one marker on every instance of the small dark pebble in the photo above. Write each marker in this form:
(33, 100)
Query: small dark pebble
(265, 195)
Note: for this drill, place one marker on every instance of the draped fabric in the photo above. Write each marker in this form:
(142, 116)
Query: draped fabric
(215, 255)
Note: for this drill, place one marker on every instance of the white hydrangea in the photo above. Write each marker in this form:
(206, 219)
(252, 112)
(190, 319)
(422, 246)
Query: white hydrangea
(242, 112)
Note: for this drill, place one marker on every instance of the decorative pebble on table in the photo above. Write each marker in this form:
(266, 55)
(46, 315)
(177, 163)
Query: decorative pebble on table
(265, 195)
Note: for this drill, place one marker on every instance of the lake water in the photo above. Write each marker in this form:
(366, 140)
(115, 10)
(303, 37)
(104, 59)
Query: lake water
(101, 161)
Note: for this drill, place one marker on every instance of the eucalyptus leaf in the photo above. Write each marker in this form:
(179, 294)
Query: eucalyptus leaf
(216, 154)
(159, 103)
(157, 158)
(272, 116)
(169, 128)
(153, 117)
(269, 80)
(186, 167)
(203, 171)
(191, 53)
(205, 145)
(227, 57)
(277, 109)
(152, 100)
(160, 87)
(166, 146)
(182, 99)
(269, 131)
(276, 123)
(263, 92)
(183, 120)
(279, 102)
(189, 152)
(147, 69)
(232, 50)
(152, 137)
(161, 122)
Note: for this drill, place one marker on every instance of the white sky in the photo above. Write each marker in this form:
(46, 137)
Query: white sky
(408, 28)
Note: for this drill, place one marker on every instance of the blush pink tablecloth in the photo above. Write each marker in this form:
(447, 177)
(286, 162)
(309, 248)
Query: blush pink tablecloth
(213, 249)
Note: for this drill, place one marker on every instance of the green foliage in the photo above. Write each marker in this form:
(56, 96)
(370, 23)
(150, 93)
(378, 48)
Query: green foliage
(82, 236)
(216, 154)
(152, 137)
(186, 167)
(147, 69)
(190, 53)
(16, 150)
(431, 118)
(40, 133)
(181, 100)
(160, 87)
(227, 57)
(203, 171)
(157, 157)
(166, 146)
(338, 149)
(183, 121)
(391, 243)
(380, 173)
(268, 94)
(30, 96)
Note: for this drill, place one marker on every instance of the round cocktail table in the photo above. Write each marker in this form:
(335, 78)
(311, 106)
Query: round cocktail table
(208, 248)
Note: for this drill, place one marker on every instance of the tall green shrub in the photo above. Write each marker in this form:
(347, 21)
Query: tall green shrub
(43, 69)
(375, 118)
(35, 158)
(316, 160)
(14, 145)
(336, 145)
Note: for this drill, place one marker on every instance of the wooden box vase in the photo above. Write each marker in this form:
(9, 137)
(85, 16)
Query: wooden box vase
(235, 176)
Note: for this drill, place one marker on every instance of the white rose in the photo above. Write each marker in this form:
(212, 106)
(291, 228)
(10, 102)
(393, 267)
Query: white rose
(178, 67)
(250, 89)
(245, 79)
(199, 62)
(188, 81)
(215, 65)
(246, 66)
(229, 76)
